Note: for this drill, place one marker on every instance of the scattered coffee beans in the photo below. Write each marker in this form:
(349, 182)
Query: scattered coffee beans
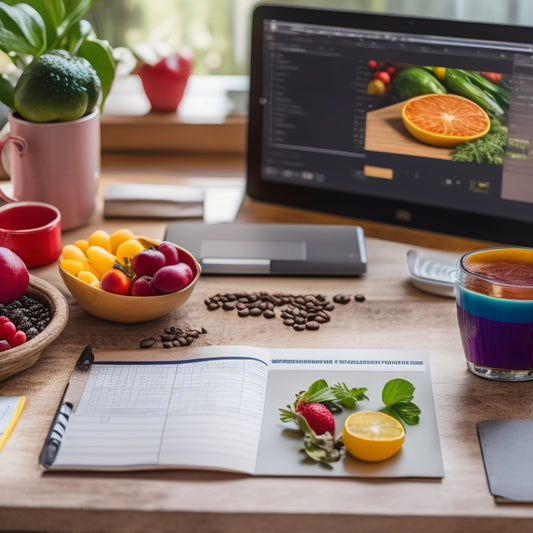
(359, 298)
(174, 337)
(301, 312)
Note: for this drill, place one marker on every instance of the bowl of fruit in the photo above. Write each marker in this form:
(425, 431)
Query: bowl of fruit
(33, 313)
(126, 278)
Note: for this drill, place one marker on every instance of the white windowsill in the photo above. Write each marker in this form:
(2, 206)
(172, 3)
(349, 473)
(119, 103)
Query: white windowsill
(207, 99)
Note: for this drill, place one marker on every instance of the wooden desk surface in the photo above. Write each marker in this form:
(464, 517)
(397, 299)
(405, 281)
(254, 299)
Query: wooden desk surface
(394, 315)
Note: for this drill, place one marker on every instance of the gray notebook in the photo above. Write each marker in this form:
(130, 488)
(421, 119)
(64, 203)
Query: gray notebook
(508, 458)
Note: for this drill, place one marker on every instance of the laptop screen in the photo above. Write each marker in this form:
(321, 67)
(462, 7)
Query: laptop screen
(413, 122)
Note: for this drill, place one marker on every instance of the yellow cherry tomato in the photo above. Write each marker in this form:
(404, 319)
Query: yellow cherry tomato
(100, 238)
(128, 249)
(100, 258)
(118, 237)
(71, 251)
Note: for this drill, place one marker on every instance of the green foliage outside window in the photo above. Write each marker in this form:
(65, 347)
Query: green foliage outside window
(217, 31)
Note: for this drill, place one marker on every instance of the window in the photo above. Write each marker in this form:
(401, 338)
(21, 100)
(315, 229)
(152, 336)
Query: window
(217, 31)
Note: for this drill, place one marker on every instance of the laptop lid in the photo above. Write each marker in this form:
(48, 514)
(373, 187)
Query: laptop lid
(326, 131)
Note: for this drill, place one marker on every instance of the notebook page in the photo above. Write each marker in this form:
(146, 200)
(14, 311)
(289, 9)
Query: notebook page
(200, 413)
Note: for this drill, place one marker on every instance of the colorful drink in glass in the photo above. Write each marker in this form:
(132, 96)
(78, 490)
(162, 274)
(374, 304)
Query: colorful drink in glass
(494, 295)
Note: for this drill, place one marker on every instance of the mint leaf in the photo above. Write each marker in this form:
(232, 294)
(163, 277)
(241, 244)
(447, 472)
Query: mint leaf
(348, 397)
(397, 395)
(397, 390)
(405, 412)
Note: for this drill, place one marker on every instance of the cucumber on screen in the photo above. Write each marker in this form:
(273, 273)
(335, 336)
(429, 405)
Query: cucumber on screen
(458, 82)
(415, 81)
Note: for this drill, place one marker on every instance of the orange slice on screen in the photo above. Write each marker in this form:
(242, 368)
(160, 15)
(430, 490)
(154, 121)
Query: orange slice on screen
(444, 119)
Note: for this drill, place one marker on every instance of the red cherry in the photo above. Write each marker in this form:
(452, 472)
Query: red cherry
(7, 331)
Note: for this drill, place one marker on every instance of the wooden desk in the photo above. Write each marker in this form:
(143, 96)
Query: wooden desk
(394, 315)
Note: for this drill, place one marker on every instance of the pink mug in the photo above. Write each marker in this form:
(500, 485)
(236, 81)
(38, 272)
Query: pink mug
(56, 163)
(32, 230)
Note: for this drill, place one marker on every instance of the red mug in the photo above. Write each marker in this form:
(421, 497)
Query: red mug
(32, 230)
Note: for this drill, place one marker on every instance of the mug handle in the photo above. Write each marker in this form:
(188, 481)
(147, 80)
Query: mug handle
(22, 147)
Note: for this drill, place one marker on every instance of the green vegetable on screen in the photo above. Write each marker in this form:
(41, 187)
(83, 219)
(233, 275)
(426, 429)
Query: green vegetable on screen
(488, 149)
(415, 81)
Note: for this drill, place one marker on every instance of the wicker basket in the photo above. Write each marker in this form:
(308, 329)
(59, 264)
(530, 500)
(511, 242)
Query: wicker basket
(21, 357)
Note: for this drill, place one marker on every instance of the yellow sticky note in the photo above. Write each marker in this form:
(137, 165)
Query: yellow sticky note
(10, 409)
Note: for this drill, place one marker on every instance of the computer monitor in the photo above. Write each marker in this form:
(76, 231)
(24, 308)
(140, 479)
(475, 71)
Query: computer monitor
(326, 133)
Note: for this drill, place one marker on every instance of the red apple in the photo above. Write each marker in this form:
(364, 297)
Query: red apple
(164, 83)
(170, 252)
(143, 287)
(172, 278)
(14, 276)
(147, 262)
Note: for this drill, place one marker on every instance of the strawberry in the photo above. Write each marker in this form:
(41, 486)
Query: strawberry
(318, 417)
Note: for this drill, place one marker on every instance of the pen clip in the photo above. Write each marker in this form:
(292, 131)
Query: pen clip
(86, 359)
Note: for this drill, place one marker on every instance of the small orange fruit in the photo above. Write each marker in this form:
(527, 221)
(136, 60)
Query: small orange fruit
(372, 435)
(444, 119)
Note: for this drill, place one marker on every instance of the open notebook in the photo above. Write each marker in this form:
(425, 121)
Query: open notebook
(218, 408)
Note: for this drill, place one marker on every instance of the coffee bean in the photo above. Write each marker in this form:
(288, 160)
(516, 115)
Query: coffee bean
(147, 343)
(244, 312)
(269, 313)
(312, 325)
(298, 327)
(359, 298)
(255, 311)
(341, 299)
(228, 306)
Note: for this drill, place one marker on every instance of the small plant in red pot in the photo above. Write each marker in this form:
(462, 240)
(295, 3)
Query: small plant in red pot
(165, 78)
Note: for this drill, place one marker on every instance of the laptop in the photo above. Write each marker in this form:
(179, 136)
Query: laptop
(326, 131)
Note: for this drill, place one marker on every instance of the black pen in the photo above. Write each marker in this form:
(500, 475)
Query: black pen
(62, 416)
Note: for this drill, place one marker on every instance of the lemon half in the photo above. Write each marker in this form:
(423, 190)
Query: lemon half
(372, 436)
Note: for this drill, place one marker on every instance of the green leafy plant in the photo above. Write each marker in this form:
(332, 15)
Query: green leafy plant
(31, 28)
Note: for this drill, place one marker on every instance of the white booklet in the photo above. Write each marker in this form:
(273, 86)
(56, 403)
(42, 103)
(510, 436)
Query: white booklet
(218, 408)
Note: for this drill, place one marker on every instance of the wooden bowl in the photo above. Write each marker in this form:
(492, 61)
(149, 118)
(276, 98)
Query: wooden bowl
(130, 309)
(21, 357)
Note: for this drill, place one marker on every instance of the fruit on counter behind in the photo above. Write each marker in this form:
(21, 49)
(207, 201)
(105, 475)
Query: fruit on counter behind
(120, 263)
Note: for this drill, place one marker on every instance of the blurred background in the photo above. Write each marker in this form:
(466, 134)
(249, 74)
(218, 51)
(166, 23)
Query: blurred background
(217, 31)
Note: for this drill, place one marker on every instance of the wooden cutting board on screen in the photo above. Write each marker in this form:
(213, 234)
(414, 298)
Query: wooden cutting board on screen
(385, 132)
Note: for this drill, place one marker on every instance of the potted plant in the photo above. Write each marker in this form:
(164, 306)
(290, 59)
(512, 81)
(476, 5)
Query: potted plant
(31, 28)
(60, 77)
